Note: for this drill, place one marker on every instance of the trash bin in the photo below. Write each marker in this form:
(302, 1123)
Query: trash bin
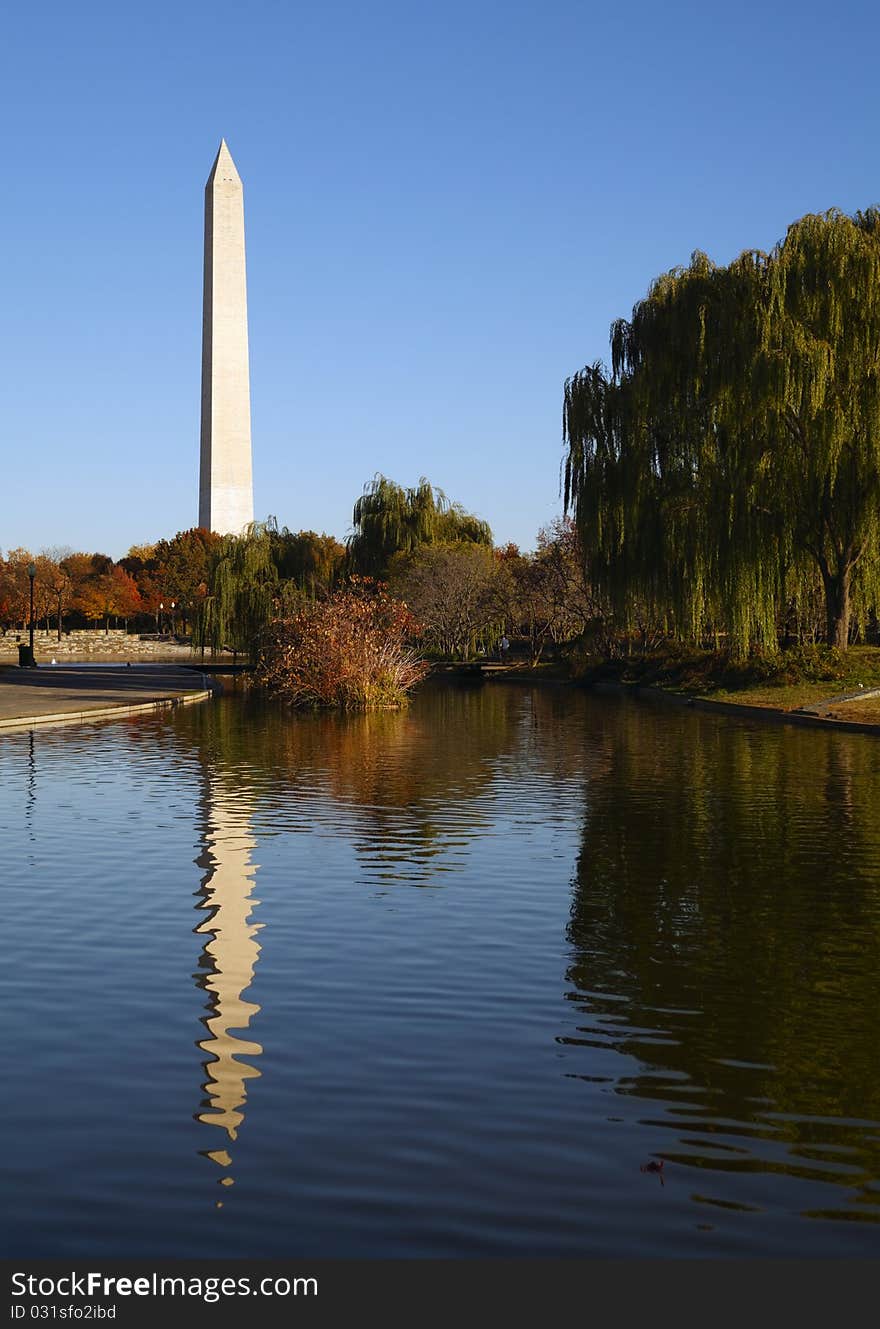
(26, 658)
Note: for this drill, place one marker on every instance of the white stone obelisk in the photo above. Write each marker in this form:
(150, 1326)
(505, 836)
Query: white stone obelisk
(226, 491)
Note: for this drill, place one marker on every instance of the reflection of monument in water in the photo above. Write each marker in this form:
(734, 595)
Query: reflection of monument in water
(227, 961)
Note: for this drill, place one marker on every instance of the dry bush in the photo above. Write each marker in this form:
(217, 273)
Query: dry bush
(350, 651)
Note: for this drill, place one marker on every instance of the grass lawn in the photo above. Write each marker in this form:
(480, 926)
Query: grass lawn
(778, 696)
(863, 712)
(799, 677)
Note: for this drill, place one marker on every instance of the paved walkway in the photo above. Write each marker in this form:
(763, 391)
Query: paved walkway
(823, 707)
(55, 692)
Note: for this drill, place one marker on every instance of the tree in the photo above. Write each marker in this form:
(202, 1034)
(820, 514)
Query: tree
(94, 598)
(178, 568)
(124, 597)
(737, 437)
(550, 597)
(569, 588)
(88, 593)
(453, 591)
(15, 587)
(138, 555)
(56, 588)
(389, 520)
(821, 398)
(314, 562)
(242, 593)
(5, 598)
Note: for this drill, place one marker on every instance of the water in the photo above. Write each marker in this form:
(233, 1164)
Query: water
(440, 983)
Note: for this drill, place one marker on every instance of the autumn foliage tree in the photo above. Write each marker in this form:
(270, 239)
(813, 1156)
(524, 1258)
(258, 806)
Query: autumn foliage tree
(94, 598)
(15, 587)
(89, 576)
(125, 598)
(58, 587)
(179, 568)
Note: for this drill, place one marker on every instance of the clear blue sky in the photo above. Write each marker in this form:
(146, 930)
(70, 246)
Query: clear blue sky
(446, 206)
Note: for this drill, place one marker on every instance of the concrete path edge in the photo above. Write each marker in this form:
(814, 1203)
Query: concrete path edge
(104, 712)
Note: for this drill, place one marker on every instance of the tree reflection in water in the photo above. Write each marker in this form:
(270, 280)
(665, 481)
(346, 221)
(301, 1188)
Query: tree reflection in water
(387, 779)
(725, 919)
(382, 778)
(725, 928)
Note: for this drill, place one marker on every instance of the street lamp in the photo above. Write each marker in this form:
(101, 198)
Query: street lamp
(159, 621)
(32, 572)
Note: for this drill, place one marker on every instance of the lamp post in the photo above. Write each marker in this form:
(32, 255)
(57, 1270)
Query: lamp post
(159, 623)
(32, 572)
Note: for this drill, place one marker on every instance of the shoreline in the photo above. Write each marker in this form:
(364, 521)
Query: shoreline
(59, 695)
(101, 689)
(813, 715)
(737, 710)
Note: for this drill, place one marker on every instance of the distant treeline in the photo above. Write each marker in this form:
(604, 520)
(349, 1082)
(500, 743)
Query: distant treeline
(463, 592)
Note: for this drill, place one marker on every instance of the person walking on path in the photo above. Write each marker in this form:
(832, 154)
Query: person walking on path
(503, 648)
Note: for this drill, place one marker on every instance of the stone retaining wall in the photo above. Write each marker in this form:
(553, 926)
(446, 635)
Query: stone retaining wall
(91, 642)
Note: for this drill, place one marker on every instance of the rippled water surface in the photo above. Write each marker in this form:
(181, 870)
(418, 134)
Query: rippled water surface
(440, 983)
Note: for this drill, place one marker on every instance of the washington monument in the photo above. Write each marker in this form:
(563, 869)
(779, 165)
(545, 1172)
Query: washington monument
(226, 491)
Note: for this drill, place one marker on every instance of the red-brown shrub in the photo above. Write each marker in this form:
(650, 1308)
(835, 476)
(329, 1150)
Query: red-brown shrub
(349, 651)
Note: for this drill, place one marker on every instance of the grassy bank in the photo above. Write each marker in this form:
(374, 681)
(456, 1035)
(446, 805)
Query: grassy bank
(797, 678)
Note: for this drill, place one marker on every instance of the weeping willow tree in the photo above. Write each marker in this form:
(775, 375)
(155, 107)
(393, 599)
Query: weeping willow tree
(243, 591)
(389, 519)
(734, 448)
(313, 562)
